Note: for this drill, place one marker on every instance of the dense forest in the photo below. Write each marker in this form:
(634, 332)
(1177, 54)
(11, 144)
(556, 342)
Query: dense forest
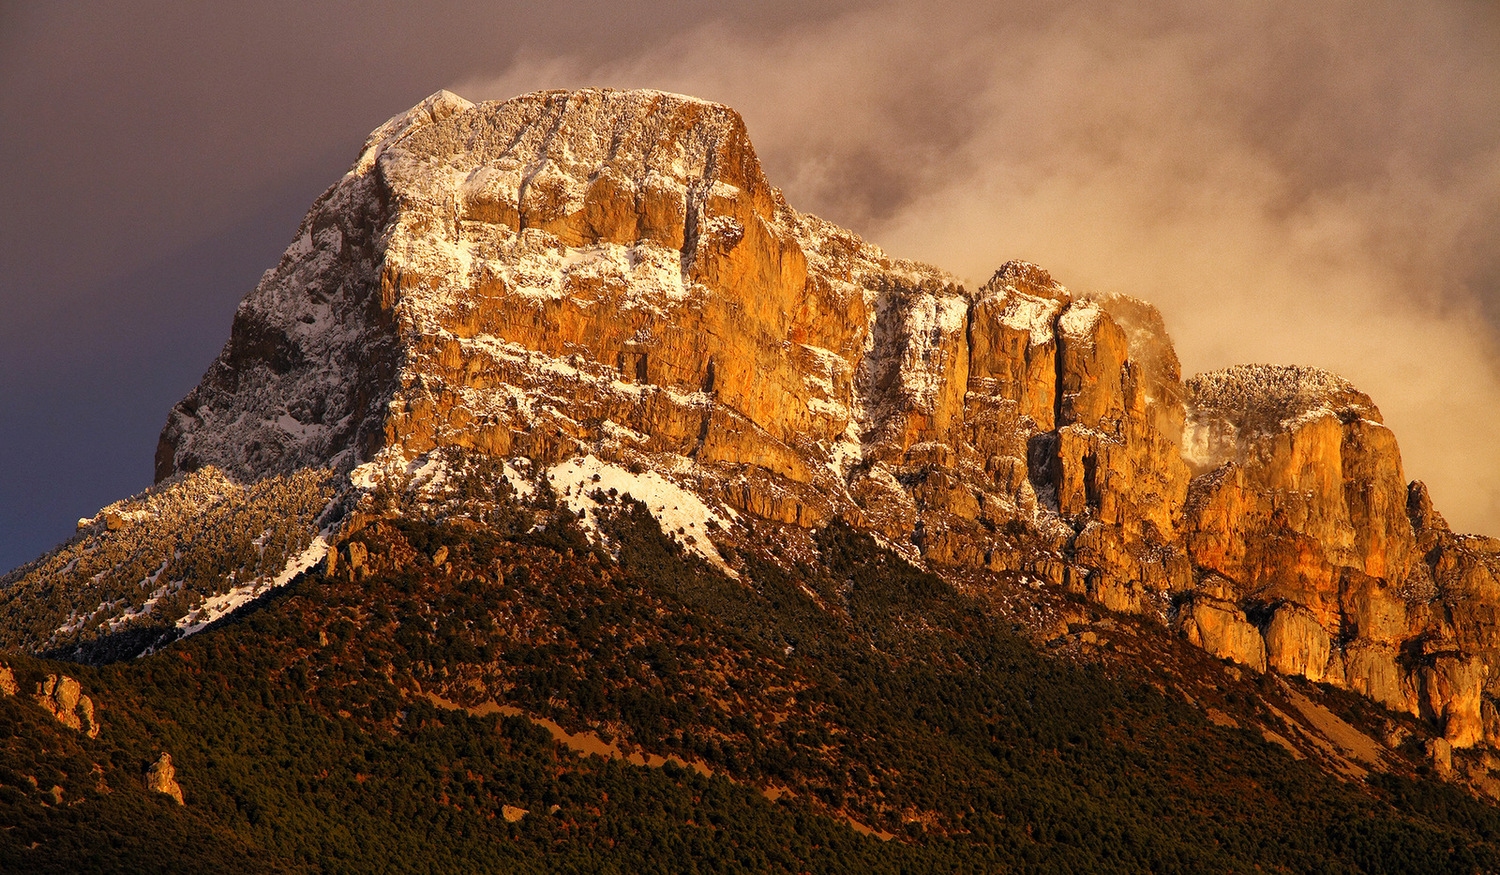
(405, 708)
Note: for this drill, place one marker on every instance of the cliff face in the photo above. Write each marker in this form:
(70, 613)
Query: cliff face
(608, 276)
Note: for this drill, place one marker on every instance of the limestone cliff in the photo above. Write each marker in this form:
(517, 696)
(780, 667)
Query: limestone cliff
(602, 287)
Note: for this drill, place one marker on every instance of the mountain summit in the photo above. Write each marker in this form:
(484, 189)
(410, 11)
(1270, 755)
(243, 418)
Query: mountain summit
(597, 292)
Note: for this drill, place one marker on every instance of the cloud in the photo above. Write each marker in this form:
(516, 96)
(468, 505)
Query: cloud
(1288, 182)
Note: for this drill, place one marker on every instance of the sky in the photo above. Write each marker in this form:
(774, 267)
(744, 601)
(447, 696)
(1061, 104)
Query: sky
(1291, 182)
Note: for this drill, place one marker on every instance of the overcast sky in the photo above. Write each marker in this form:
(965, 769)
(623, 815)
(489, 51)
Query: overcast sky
(1316, 183)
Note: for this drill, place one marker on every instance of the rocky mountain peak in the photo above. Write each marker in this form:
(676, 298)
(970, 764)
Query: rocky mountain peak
(592, 221)
(1023, 277)
(599, 290)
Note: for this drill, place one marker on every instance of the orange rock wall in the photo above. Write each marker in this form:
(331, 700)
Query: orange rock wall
(610, 272)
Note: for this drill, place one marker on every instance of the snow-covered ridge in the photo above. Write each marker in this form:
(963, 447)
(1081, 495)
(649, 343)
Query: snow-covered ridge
(1226, 409)
(434, 107)
(1262, 398)
(139, 566)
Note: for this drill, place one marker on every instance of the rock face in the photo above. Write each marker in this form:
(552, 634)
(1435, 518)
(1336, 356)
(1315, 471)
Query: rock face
(1222, 629)
(161, 777)
(608, 275)
(484, 274)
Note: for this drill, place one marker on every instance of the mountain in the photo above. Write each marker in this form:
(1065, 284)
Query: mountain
(556, 415)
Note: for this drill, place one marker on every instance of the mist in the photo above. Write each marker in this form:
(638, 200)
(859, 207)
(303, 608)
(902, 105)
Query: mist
(1292, 183)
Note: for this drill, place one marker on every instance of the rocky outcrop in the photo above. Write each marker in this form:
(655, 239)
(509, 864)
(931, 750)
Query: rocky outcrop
(1303, 505)
(1304, 498)
(609, 275)
(60, 696)
(161, 777)
(1221, 628)
(1297, 644)
(63, 698)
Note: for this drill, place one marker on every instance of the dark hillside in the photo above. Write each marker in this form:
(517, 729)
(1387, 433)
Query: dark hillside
(319, 731)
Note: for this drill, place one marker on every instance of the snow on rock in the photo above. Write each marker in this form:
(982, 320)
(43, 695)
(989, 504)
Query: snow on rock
(1032, 315)
(683, 516)
(222, 605)
(1077, 321)
(436, 107)
(931, 326)
(1228, 409)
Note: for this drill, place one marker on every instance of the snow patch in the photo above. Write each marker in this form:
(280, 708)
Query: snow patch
(518, 481)
(682, 515)
(1032, 315)
(846, 453)
(1079, 320)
